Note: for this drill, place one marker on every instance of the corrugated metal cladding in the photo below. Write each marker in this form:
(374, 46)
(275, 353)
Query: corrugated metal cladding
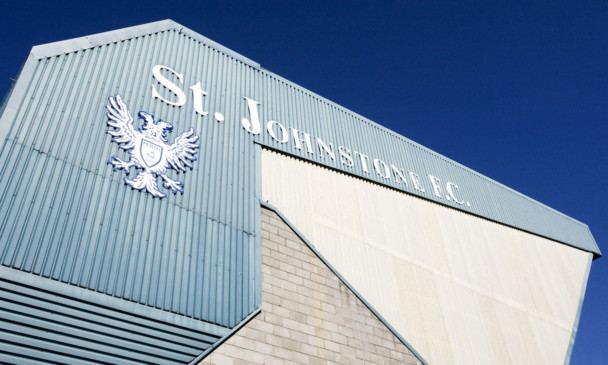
(38, 326)
(228, 77)
(297, 108)
(66, 215)
(226, 168)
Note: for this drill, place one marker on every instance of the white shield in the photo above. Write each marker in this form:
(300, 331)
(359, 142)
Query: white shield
(151, 152)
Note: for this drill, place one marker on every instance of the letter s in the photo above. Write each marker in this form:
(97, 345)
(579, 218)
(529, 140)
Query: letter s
(181, 96)
(345, 156)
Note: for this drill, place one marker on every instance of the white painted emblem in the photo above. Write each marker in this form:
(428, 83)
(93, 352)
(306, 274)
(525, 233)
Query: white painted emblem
(148, 149)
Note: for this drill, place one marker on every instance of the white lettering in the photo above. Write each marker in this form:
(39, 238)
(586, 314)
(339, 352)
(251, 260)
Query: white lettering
(387, 172)
(436, 185)
(323, 146)
(400, 174)
(449, 187)
(364, 159)
(254, 126)
(345, 156)
(285, 136)
(416, 182)
(197, 95)
(297, 141)
(181, 96)
(281, 135)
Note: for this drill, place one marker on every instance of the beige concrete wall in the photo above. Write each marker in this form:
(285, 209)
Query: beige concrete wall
(460, 289)
(308, 315)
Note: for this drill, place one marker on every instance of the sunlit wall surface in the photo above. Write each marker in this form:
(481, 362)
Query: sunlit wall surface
(460, 288)
(79, 230)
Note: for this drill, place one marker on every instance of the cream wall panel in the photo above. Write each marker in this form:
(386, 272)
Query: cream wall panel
(460, 289)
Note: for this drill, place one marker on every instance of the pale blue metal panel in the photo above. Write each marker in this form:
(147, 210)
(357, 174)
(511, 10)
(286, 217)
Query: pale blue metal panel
(66, 215)
(39, 326)
(182, 253)
(297, 108)
(99, 234)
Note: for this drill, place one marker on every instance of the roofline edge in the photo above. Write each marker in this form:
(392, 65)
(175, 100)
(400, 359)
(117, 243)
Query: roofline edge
(101, 39)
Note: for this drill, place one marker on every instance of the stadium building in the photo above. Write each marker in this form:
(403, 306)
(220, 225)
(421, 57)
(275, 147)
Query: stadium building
(166, 200)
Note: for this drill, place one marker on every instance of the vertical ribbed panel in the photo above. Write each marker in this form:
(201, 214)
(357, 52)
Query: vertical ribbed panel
(96, 233)
(63, 115)
(65, 214)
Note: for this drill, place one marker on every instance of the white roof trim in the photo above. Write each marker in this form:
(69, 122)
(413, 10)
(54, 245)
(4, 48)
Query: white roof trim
(100, 39)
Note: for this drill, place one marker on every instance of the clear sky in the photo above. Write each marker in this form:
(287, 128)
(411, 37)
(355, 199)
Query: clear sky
(517, 91)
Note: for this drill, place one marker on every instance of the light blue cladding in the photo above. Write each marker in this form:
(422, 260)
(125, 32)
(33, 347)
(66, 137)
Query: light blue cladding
(66, 216)
(304, 111)
(96, 233)
(41, 323)
(92, 68)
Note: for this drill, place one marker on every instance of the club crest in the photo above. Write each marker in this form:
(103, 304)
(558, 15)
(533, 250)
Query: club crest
(148, 149)
(151, 152)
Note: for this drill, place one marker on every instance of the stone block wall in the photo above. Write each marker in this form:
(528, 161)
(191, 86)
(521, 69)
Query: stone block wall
(309, 316)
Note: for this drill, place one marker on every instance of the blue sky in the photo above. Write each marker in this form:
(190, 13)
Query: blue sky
(517, 91)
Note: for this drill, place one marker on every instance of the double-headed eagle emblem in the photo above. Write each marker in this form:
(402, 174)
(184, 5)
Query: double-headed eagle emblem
(148, 149)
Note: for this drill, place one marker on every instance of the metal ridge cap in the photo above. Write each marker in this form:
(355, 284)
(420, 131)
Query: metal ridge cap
(211, 43)
(598, 253)
(98, 39)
